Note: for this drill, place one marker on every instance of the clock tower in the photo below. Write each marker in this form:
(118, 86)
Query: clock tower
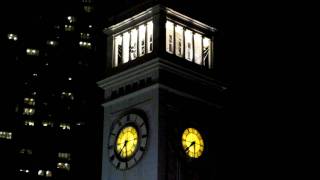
(161, 103)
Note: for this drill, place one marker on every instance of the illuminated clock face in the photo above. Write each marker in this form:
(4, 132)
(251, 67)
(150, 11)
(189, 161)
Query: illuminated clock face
(192, 143)
(127, 141)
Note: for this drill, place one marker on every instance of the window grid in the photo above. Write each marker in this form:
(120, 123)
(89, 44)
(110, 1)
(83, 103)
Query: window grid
(133, 43)
(192, 46)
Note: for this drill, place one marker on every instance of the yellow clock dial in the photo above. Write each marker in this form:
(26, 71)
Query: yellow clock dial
(192, 143)
(127, 142)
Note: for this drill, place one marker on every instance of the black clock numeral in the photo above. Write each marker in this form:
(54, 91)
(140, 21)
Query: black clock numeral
(144, 136)
(113, 134)
(110, 147)
(112, 158)
(128, 118)
(142, 149)
(141, 124)
(118, 165)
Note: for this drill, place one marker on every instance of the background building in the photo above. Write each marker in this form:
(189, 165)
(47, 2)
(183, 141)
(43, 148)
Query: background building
(53, 55)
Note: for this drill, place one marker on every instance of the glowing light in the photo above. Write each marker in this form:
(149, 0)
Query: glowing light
(28, 111)
(133, 44)
(5, 135)
(149, 37)
(29, 101)
(65, 166)
(126, 41)
(197, 48)
(71, 19)
(48, 173)
(52, 43)
(127, 142)
(189, 45)
(32, 52)
(192, 143)
(142, 39)
(118, 50)
(40, 173)
(29, 123)
(169, 37)
(13, 37)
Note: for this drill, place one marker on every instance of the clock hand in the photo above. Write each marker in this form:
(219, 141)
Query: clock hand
(132, 139)
(125, 144)
(187, 148)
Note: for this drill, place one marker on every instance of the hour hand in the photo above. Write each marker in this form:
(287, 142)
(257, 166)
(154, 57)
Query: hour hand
(124, 145)
(187, 148)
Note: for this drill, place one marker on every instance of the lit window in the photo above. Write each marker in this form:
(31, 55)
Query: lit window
(65, 166)
(68, 27)
(125, 48)
(88, 9)
(48, 173)
(67, 95)
(189, 45)
(24, 170)
(133, 44)
(198, 49)
(142, 39)
(169, 37)
(71, 19)
(28, 111)
(179, 40)
(13, 37)
(149, 37)
(206, 52)
(85, 36)
(29, 123)
(69, 78)
(26, 151)
(52, 43)
(90, 26)
(66, 156)
(47, 124)
(29, 101)
(80, 123)
(85, 44)
(32, 52)
(118, 50)
(5, 135)
(41, 172)
(64, 126)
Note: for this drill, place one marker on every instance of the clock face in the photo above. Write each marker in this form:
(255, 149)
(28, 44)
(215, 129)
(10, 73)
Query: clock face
(192, 143)
(127, 141)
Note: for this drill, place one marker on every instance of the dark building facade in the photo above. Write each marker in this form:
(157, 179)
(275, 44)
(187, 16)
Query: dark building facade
(51, 96)
(152, 63)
